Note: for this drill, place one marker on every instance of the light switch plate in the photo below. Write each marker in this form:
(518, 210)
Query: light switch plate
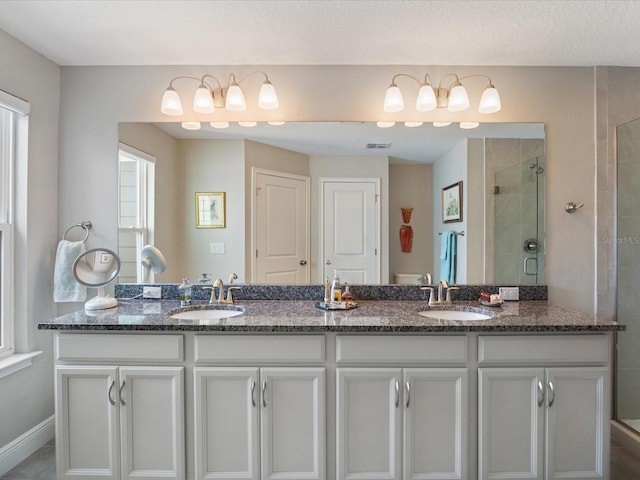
(509, 293)
(216, 248)
(151, 292)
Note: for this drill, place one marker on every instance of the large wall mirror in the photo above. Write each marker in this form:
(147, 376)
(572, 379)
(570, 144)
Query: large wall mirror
(273, 176)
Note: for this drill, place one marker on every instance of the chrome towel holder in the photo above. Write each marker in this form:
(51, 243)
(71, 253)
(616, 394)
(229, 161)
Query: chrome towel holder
(85, 225)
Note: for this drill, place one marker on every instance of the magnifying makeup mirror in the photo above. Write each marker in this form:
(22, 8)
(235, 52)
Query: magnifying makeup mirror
(152, 261)
(97, 268)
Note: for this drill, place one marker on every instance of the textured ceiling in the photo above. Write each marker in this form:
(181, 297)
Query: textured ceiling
(328, 32)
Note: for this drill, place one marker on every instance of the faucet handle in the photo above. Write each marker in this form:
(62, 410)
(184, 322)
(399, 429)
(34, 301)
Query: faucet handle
(229, 295)
(448, 300)
(432, 301)
(213, 292)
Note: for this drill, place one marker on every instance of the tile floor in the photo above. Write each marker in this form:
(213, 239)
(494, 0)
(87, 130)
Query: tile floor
(42, 465)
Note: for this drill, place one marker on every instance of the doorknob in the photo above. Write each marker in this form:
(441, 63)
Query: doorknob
(303, 262)
(328, 262)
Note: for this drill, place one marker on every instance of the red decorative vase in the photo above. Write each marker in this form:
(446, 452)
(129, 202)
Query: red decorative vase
(406, 238)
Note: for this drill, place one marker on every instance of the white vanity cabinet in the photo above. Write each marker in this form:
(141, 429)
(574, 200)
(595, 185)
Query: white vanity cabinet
(543, 422)
(260, 422)
(118, 421)
(406, 422)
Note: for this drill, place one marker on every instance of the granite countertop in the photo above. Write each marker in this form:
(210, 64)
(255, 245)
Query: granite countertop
(302, 316)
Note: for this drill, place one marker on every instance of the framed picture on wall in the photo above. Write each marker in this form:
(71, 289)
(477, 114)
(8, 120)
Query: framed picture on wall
(452, 203)
(210, 210)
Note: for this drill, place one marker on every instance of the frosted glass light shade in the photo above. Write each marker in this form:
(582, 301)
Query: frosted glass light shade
(412, 124)
(469, 125)
(203, 101)
(248, 124)
(191, 125)
(267, 98)
(393, 101)
(219, 124)
(490, 100)
(385, 124)
(426, 100)
(235, 99)
(441, 124)
(171, 104)
(458, 98)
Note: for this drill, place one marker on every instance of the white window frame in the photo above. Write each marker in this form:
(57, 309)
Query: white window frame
(12, 153)
(146, 180)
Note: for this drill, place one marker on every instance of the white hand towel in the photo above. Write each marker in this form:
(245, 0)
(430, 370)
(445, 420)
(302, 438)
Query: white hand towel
(65, 286)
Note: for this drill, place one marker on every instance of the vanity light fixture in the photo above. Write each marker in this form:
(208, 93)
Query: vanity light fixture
(452, 96)
(212, 94)
(191, 125)
(219, 124)
(276, 124)
(385, 124)
(247, 124)
(412, 124)
(469, 125)
(441, 124)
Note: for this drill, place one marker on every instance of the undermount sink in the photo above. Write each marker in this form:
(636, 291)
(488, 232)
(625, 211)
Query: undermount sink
(452, 314)
(208, 312)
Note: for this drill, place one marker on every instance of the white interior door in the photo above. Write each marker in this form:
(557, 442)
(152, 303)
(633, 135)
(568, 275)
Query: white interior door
(351, 229)
(281, 228)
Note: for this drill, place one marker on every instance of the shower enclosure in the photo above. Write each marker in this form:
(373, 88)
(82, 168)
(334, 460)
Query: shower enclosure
(627, 246)
(518, 193)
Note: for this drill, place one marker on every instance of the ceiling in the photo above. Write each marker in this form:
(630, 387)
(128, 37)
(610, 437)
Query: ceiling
(328, 32)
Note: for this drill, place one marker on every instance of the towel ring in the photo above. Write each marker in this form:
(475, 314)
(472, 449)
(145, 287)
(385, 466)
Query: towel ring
(86, 226)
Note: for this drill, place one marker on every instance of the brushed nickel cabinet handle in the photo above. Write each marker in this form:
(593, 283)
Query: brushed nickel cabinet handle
(264, 394)
(111, 400)
(552, 397)
(122, 402)
(397, 394)
(540, 393)
(253, 393)
(408, 393)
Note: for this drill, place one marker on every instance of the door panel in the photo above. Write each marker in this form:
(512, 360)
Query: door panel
(511, 426)
(281, 236)
(351, 230)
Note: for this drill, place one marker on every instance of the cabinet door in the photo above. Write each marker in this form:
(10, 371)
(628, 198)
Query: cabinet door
(152, 422)
(87, 422)
(292, 423)
(435, 423)
(510, 423)
(577, 422)
(368, 423)
(226, 423)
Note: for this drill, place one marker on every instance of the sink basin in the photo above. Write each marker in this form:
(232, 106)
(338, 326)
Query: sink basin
(455, 315)
(209, 312)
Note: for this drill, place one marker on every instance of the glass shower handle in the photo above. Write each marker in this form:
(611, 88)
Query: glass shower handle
(525, 265)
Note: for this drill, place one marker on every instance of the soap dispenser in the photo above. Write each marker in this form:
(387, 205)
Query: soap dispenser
(336, 288)
(185, 292)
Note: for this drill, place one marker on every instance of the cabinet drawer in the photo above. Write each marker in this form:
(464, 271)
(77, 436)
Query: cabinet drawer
(119, 348)
(543, 349)
(401, 349)
(259, 348)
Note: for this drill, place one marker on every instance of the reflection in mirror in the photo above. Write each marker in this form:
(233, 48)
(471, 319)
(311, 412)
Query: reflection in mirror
(96, 268)
(503, 198)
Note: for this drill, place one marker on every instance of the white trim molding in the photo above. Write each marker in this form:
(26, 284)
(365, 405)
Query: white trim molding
(26, 444)
(16, 362)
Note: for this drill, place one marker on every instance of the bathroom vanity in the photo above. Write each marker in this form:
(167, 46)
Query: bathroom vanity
(286, 390)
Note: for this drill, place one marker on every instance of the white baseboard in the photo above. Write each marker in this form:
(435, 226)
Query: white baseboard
(26, 444)
(625, 437)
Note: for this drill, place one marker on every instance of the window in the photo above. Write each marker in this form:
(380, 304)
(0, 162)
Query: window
(13, 126)
(135, 210)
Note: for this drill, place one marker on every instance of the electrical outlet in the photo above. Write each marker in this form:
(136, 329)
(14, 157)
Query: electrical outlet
(151, 292)
(509, 293)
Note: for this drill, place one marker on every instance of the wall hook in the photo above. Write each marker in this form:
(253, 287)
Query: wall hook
(571, 207)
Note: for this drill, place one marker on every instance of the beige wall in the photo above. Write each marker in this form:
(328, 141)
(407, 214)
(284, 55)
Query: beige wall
(411, 186)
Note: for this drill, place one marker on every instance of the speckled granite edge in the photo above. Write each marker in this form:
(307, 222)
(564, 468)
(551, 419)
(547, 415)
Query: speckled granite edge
(171, 291)
(301, 316)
